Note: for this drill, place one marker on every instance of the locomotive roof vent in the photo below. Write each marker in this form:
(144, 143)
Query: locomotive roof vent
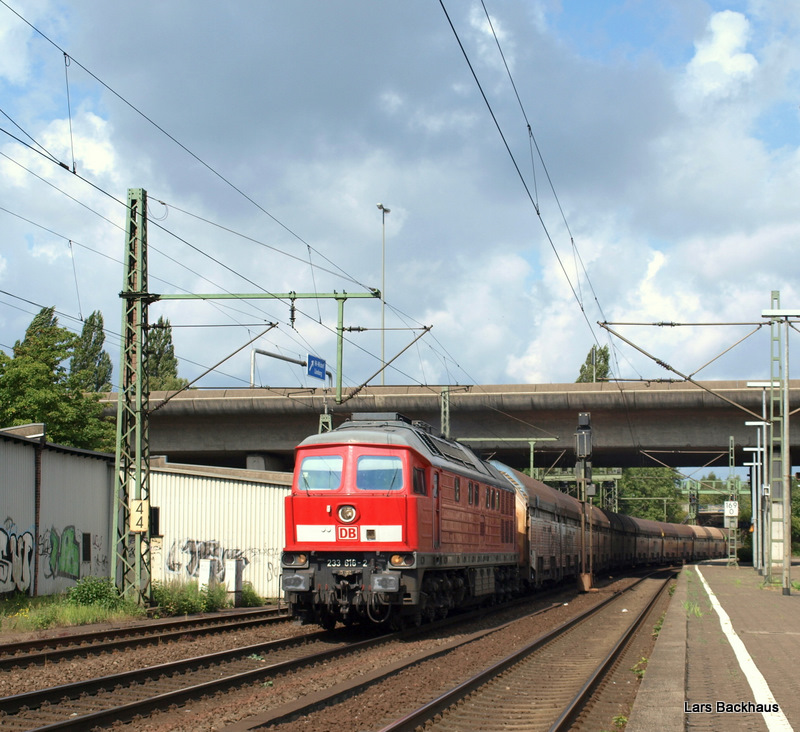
(424, 426)
(379, 417)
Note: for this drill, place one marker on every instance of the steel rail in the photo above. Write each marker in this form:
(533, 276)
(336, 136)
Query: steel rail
(32, 700)
(55, 648)
(53, 695)
(419, 717)
(325, 698)
(36, 699)
(568, 716)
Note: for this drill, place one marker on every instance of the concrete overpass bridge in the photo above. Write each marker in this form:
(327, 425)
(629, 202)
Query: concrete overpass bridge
(642, 424)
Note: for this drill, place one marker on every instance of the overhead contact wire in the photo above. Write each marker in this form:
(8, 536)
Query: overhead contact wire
(183, 147)
(514, 162)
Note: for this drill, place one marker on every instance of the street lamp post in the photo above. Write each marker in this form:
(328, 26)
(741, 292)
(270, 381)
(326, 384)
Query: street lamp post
(383, 211)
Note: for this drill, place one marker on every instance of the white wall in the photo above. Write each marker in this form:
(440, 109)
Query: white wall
(74, 520)
(218, 517)
(17, 514)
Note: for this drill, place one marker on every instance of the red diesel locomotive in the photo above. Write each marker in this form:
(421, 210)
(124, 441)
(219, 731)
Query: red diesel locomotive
(387, 522)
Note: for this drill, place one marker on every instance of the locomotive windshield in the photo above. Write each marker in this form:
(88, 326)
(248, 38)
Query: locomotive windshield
(320, 473)
(379, 473)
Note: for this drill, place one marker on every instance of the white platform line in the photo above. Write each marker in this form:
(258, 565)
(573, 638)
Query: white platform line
(761, 691)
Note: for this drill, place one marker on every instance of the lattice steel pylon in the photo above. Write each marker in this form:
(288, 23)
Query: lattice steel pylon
(776, 446)
(130, 568)
(732, 522)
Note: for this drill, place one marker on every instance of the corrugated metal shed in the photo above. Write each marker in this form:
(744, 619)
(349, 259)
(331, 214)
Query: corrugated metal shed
(55, 503)
(218, 514)
(74, 519)
(18, 513)
(56, 524)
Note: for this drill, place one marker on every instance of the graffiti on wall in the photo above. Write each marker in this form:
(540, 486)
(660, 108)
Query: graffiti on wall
(185, 554)
(62, 556)
(99, 557)
(16, 559)
(61, 553)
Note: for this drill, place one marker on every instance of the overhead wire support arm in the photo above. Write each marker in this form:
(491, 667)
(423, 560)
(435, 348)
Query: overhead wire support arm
(670, 324)
(340, 298)
(267, 295)
(212, 368)
(665, 365)
(355, 391)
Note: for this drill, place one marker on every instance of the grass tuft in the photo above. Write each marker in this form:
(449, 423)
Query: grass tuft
(95, 600)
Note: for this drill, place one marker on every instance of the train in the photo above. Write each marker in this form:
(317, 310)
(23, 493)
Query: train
(388, 522)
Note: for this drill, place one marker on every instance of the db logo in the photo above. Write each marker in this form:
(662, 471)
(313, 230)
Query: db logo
(347, 533)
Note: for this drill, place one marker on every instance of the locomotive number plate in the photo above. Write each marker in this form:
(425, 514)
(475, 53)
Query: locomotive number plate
(347, 562)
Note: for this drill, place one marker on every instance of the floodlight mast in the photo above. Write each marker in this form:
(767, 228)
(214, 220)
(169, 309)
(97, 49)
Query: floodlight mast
(383, 211)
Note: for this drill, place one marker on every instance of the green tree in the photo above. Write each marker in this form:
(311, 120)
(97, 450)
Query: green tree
(600, 370)
(35, 387)
(90, 367)
(655, 484)
(161, 360)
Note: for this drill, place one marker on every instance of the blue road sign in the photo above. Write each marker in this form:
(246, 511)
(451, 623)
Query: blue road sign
(316, 367)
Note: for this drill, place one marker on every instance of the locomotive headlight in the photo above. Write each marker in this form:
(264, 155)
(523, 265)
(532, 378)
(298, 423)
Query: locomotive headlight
(401, 560)
(294, 560)
(347, 514)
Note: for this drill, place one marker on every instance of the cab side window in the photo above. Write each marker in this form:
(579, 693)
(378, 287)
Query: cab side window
(419, 482)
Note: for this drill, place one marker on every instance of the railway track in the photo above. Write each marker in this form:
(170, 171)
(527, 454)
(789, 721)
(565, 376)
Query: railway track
(124, 696)
(56, 648)
(546, 684)
(542, 685)
(96, 702)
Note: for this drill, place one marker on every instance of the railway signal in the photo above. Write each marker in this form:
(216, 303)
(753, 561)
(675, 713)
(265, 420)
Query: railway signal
(583, 473)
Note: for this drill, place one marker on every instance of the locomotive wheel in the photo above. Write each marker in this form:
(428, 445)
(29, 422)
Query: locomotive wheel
(327, 621)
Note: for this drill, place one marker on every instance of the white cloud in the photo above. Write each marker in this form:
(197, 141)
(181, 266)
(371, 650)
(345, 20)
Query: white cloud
(391, 102)
(14, 59)
(486, 31)
(720, 66)
(679, 206)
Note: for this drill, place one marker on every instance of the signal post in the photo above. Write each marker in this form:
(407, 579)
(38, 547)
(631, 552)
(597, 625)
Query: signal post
(583, 475)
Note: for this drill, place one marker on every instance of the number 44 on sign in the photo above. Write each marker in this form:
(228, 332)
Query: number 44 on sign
(139, 516)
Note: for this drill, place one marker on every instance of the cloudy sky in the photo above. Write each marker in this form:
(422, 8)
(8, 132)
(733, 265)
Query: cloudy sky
(563, 163)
